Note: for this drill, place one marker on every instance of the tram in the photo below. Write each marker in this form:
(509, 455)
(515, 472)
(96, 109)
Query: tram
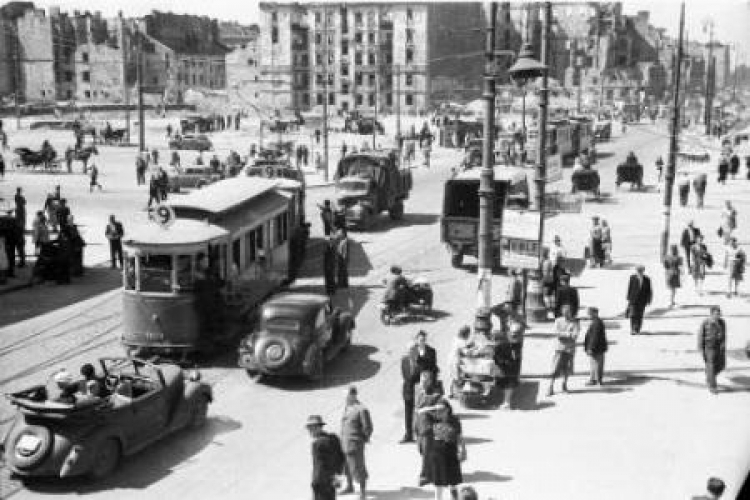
(194, 283)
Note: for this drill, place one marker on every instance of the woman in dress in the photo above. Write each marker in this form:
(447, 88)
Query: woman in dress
(672, 269)
(448, 449)
(735, 264)
(700, 259)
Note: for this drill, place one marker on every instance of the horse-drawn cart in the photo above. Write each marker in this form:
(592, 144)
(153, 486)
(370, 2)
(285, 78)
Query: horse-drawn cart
(44, 160)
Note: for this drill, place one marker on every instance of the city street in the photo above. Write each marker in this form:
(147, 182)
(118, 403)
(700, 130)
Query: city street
(652, 431)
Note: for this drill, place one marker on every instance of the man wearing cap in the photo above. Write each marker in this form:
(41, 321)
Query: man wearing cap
(328, 459)
(639, 296)
(595, 345)
(356, 429)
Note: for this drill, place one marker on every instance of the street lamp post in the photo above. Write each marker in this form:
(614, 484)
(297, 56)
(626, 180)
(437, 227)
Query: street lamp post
(708, 96)
(487, 179)
(527, 68)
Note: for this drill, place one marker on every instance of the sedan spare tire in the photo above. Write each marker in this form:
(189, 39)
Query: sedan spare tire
(273, 352)
(29, 445)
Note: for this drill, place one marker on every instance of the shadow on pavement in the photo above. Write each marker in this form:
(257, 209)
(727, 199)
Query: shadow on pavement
(404, 493)
(144, 469)
(605, 389)
(483, 476)
(40, 299)
(410, 219)
(476, 440)
(470, 416)
(526, 397)
(667, 333)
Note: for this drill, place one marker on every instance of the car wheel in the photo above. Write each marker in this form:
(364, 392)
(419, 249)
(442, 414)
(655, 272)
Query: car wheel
(28, 446)
(107, 456)
(199, 412)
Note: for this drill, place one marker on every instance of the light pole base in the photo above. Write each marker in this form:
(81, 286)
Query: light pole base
(536, 310)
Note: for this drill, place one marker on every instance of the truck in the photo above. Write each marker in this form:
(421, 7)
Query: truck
(460, 218)
(371, 182)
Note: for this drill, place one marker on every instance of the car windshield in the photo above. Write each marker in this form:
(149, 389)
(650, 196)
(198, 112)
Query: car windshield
(360, 167)
(283, 324)
(354, 184)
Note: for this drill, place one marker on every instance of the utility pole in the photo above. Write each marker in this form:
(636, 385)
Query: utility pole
(673, 138)
(18, 76)
(125, 87)
(487, 178)
(141, 112)
(325, 97)
(709, 78)
(398, 103)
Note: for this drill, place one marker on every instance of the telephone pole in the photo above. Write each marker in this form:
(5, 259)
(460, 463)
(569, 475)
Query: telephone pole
(17, 75)
(487, 176)
(141, 112)
(673, 138)
(710, 77)
(325, 97)
(125, 87)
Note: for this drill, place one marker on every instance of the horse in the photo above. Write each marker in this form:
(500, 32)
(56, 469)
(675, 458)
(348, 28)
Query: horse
(113, 136)
(84, 154)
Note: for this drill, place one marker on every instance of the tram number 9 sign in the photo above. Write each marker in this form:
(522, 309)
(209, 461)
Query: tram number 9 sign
(163, 215)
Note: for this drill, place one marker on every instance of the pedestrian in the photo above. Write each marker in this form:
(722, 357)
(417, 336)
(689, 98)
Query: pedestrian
(516, 295)
(153, 191)
(169, 130)
(712, 341)
(734, 165)
(237, 121)
(700, 181)
(20, 212)
(215, 164)
(728, 222)
(513, 329)
(566, 295)
(326, 216)
(199, 158)
(94, 176)
(342, 258)
(548, 282)
(558, 254)
(140, 170)
(672, 271)
(427, 393)
(317, 136)
(595, 345)
(4, 139)
(155, 156)
(683, 189)
(723, 169)
(687, 240)
(329, 266)
(409, 378)
(567, 329)
(343, 149)
(175, 159)
(639, 296)
(734, 262)
(327, 457)
(700, 260)
(114, 234)
(18, 239)
(2, 166)
(596, 250)
(63, 213)
(461, 346)
(447, 450)
(659, 168)
(163, 180)
(424, 355)
(356, 430)
(606, 242)
(39, 231)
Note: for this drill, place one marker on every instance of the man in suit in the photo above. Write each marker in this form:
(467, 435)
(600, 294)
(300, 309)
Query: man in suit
(566, 295)
(423, 355)
(428, 393)
(595, 345)
(328, 459)
(408, 370)
(356, 429)
(639, 296)
(689, 235)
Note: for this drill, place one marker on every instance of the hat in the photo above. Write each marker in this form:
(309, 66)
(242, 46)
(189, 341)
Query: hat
(63, 378)
(314, 420)
(640, 267)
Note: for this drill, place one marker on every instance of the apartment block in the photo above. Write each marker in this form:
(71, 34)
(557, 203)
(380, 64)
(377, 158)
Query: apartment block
(244, 83)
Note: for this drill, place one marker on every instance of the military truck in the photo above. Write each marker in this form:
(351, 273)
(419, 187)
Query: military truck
(371, 182)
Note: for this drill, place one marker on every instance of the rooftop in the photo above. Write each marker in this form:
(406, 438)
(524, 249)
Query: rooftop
(225, 195)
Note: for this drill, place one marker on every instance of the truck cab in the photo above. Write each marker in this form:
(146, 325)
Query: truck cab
(369, 183)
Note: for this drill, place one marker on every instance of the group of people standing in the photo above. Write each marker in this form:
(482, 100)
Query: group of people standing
(336, 252)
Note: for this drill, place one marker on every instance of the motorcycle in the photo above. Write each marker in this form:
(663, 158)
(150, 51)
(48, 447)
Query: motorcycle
(417, 293)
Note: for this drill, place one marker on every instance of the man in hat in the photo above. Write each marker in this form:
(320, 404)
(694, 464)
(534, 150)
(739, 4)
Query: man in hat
(356, 429)
(639, 296)
(328, 459)
(687, 240)
(595, 345)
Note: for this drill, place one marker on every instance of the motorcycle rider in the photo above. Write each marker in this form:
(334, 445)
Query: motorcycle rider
(395, 288)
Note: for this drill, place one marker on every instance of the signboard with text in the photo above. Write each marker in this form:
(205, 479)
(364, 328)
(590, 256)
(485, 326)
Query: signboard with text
(520, 253)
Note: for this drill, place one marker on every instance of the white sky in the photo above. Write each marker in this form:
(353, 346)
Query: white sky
(731, 17)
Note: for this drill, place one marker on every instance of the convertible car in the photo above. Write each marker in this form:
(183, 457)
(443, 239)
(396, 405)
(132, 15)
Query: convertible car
(78, 433)
(298, 333)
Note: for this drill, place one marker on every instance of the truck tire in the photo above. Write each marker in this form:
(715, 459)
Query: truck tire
(397, 211)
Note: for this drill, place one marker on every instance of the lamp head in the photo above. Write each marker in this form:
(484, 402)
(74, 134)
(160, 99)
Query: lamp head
(526, 67)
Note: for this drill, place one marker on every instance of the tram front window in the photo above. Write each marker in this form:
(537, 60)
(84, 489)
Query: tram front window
(156, 273)
(184, 272)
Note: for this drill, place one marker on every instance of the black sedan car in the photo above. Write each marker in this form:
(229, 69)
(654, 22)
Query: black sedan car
(297, 334)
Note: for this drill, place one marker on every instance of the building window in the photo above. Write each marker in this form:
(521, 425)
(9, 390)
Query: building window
(409, 100)
(319, 79)
(318, 38)
(319, 59)
(371, 38)
(409, 36)
(344, 70)
(87, 94)
(344, 48)
(409, 56)
(344, 88)
(305, 99)
(70, 94)
(409, 15)
(389, 99)
(358, 37)
(359, 99)
(85, 57)
(319, 99)
(358, 58)
(371, 59)
(358, 19)
(68, 76)
(409, 80)
(275, 34)
(44, 93)
(372, 99)
(86, 76)
(358, 78)
(371, 80)
(318, 18)
(344, 20)
(332, 98)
